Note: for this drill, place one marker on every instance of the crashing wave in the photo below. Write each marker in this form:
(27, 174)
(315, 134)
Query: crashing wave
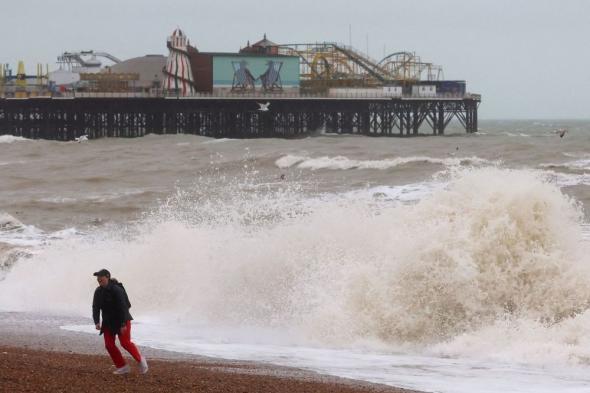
(492, 245)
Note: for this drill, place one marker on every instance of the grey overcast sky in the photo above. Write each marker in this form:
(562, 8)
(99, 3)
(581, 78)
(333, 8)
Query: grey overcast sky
(528, 58)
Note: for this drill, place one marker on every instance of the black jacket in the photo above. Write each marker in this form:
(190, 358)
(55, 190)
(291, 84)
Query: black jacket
(112, 300)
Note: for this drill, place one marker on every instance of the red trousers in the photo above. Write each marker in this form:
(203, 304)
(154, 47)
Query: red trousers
(125, 340)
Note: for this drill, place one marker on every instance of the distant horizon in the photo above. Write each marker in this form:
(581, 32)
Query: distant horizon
(536, 118)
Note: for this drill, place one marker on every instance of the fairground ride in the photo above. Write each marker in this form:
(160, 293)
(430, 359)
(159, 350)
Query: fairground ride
(329, 64)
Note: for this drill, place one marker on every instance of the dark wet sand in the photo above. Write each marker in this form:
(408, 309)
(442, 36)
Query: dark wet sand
(37, 356)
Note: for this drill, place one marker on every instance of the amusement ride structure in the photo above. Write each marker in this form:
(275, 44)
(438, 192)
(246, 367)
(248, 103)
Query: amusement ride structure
(407, 67)
(84, 61)
(328, 64)
(178, 75)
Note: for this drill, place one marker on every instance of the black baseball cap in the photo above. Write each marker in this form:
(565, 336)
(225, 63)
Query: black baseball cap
(102, 273)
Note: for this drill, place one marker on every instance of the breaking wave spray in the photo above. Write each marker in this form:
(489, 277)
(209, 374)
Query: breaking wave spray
(492, 265)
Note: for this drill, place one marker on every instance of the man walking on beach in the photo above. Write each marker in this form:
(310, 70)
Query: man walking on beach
(110, 298)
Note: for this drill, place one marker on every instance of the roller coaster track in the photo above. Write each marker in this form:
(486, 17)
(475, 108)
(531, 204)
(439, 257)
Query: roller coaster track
(303, 58)
(364, 62)
(407, 66)
(307, 53)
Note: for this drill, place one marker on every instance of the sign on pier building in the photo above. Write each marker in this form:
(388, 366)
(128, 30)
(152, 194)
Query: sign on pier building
(244, 72)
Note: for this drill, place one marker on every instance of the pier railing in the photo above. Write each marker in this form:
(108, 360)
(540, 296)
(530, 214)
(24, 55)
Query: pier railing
(254, 95)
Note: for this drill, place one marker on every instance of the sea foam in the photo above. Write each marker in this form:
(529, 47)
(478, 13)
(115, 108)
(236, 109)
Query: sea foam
(344, 163)
(441, 274)
(12, 139)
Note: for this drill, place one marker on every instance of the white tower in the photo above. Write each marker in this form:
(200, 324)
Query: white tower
(178, 76)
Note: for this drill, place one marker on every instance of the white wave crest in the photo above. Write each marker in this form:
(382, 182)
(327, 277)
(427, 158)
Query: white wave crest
(581, 164)
(344, 163)
(12, 139)
(15, 233)
(218, 140)
(96, 198)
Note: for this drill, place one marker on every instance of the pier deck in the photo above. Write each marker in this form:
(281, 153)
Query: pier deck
(66, 118)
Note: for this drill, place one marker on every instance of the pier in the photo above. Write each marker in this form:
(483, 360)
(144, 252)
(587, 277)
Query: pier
(264, 90)
(233, 116)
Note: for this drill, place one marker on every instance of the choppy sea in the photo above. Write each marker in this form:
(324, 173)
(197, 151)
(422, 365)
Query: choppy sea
(449, 264)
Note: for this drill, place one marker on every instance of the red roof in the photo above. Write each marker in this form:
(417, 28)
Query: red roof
(264, 43)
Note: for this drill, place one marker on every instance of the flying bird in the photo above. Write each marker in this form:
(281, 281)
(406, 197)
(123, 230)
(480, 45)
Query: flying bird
(561, 132)
(83, 138)
(263, 107)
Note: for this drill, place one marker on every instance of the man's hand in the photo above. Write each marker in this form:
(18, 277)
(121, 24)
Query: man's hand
(97, 326)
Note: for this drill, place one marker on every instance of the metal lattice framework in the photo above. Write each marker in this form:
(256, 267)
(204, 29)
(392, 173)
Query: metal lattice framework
(406, 66)
(84, 59)
(60, 119)
(332, 62)
(340, 65)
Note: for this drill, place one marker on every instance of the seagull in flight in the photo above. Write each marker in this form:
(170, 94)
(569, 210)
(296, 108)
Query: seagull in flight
(561, 132)
(83, 138)
(263, 107)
